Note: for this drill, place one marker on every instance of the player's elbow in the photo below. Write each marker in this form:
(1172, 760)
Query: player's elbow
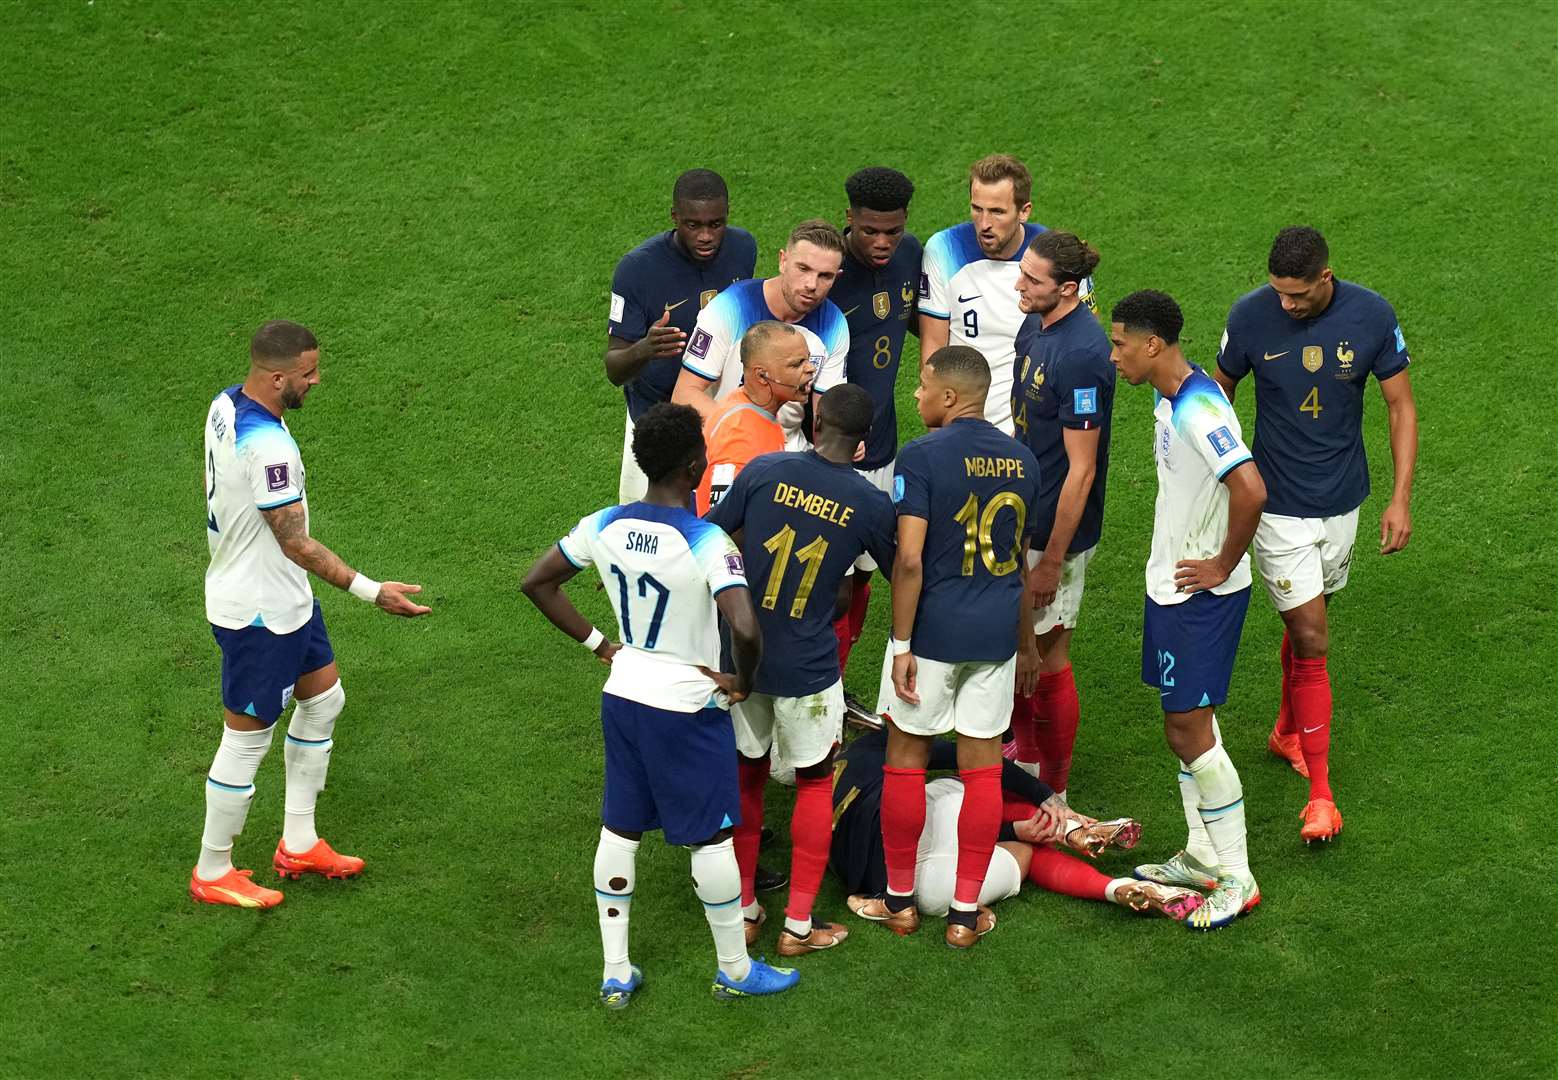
(615, 375)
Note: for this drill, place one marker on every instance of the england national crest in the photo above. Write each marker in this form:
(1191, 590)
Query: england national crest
(882, 304)
(1314, 356)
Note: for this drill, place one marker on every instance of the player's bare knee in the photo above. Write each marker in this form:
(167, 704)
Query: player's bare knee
(1307, 630)
(1189, 734)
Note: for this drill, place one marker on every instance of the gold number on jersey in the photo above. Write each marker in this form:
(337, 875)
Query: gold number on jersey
(882, 351)
(782, 544)
(978, 526)
(1311, 403)
(1020, 419)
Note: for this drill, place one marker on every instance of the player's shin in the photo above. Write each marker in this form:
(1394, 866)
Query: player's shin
(1057, 736)
(1025, 733)
(229, 792)
(979, 822)
(1311, 695)
(1222, 809)
(753, 777)
(903, 820)
(1285, 724)
(1068, 875)
(615, 861)
(1198, 844)
(811, 832)
(307, 753)
(717, 881)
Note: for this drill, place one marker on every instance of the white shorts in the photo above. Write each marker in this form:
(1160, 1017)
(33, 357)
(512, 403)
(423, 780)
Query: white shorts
(882, 480)
(631, 483)
(1062, 611)
(1301, 558)
(973, 698)
(805, 728)
(936, 862)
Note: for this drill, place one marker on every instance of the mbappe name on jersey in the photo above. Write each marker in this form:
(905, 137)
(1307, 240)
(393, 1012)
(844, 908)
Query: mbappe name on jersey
(993, 466)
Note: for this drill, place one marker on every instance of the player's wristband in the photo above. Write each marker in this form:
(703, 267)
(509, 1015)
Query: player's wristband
(899, 647)
(364, 588)
(593, 641)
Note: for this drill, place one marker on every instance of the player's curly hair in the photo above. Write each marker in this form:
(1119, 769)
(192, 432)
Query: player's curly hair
(1298, 252)
(666, 438)
(699, 185)
(998, 167)
(824, 234)
(279, 342)
(879, 188)
(1151, 311)
(1070, 258)
(848, 408)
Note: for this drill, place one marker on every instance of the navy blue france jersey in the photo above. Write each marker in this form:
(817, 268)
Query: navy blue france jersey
(1064, 380)
(1309, 381)
(805, 521)
(975, 487)
(878, 305)
(658, 276)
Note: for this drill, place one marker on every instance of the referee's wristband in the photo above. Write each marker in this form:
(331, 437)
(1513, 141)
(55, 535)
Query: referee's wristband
(899, 647)
(364, 588)
(593, 641)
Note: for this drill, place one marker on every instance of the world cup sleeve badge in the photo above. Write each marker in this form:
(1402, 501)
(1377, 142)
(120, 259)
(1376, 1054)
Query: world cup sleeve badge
(1314, 356)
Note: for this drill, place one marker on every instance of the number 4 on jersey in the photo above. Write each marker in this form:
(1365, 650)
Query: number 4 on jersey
(1311, 403)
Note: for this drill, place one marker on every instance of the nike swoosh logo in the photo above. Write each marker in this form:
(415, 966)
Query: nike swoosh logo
(966, 299)
(1312, 730)
(851, 311)
(1276, 356)
(679, 303)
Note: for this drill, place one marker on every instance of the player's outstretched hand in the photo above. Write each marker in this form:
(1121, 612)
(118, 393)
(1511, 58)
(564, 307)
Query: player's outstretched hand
(393, 599)
(664, 339)
(1395, 528)
(1195, 575)
(727, 684)
(606, 650)
(905, 671)
(1043, 584)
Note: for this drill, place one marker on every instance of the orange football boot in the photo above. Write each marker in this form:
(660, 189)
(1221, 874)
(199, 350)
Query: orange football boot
(320, 859)
(233, 888)
(1322, 820)
(1286, 747)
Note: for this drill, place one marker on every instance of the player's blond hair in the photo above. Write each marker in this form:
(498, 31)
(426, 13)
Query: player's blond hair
(816, 231)
(998, 167)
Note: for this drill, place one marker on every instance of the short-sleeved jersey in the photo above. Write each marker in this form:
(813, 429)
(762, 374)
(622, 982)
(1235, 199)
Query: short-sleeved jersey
(658, 277)
(737, 432)
(1309, 383)
(977, 296)
(1197, 442)
(1064, 380)
(714, 349)
(806, 520)
(878, 305)
(976, 488)
(662, 567)
(252, 464)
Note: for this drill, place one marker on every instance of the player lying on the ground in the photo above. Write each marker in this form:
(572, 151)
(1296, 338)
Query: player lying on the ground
(1036, 829)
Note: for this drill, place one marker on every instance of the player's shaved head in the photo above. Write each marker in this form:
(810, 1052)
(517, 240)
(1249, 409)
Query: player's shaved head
(962, 368)
(879, 188)
(766, 340)
(1298, 252)
(277, 345)
(699, 185)
(848, 410)
(666, 438)
(1148, 311)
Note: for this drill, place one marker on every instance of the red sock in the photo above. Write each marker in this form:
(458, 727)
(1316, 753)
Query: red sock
(753, 776)
(1015, 809)
(1062, 712)
(1066, 874)
(1024, 734)
(903, 819)
(811, 833)
(1312, 715)
(1285, 724)
(848, 626)
(978, 823)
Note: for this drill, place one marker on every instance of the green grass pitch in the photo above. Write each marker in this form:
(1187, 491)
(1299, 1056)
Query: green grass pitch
(441, 192)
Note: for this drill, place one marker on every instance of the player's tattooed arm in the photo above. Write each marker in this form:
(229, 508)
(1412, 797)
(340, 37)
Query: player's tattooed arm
(290, 527)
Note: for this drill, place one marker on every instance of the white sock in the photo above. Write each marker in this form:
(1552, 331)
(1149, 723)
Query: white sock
(1029, 767)
(798, 927)
(307, 752)
(1199, 845)
(229, 790)
(717, 880)
(615, 860)
(1222, 809)
(1109, 889)
(751, 911)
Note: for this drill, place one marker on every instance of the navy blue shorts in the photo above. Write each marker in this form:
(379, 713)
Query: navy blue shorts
(260, 668)
(1187, 649)
(667, 770)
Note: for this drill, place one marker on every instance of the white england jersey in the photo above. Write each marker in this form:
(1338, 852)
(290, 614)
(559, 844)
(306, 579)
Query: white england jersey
(977, 296)
(1197, 441)
(252, 464)
(662, 567)
(714, 350)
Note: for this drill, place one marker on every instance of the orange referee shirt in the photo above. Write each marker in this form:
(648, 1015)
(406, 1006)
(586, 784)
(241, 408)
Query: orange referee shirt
(735, 433)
